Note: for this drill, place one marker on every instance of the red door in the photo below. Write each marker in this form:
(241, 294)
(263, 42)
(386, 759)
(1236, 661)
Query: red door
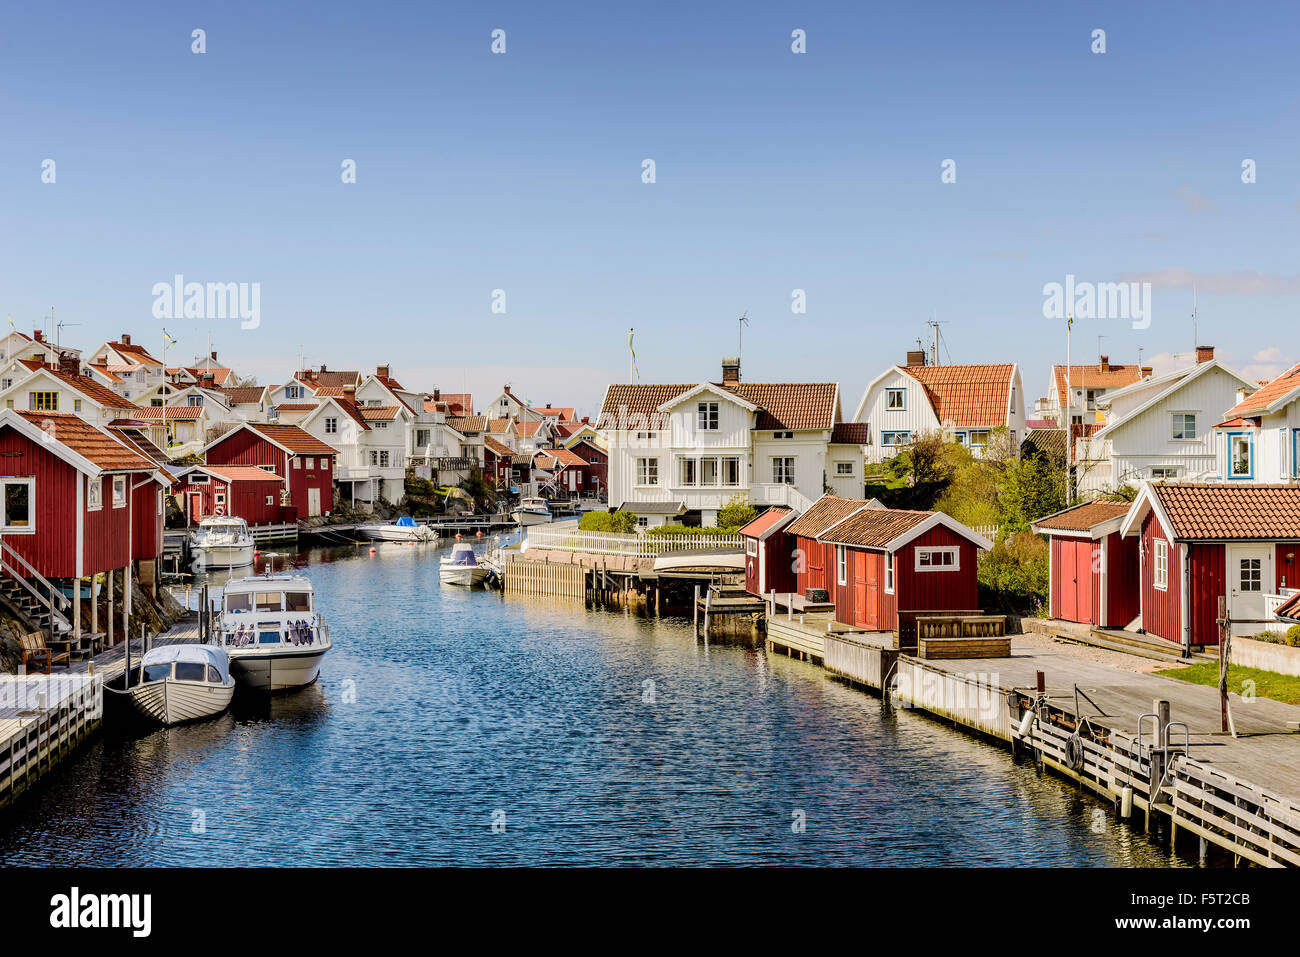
(872, 576)
(861, 613)
(1074, 581)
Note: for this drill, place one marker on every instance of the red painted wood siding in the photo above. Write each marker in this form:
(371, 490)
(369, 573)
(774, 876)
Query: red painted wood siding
(246, 499)
(1161, 609)
(938, 591)
(1207, 573)
(53, 548)
(146, 519)
(1124, 596)
(1288, 573)
(246, 447)
(107, 542)
(1076, 586)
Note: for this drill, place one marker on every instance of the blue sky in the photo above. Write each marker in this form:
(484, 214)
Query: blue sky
(774, 172)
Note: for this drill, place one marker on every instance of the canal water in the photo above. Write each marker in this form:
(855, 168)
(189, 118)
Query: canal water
(463, 728)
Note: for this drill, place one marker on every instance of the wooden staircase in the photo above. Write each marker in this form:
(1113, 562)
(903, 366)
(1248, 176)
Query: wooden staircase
(31, 593)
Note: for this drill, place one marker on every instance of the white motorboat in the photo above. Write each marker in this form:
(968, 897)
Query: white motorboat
(462, 566)
(531, 511)
(270, 629)
(182, 683)
(405, 529)
(222, 541)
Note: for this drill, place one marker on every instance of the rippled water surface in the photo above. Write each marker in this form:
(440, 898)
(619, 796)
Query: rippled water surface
(588, 738)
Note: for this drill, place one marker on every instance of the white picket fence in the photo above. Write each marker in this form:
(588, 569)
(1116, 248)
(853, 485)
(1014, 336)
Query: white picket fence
(613, 543)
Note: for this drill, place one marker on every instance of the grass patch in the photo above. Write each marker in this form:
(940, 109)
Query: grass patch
(1268, 684)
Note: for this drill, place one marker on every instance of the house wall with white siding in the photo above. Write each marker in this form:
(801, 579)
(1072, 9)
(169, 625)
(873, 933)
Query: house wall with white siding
(915, 418)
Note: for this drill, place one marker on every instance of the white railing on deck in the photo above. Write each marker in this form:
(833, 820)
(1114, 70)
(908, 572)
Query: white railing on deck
(1271, 604)
(637, 546)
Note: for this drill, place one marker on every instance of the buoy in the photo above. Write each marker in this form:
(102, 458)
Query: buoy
(478, 534)
(372, 549)
(257, 553)
(458, 536)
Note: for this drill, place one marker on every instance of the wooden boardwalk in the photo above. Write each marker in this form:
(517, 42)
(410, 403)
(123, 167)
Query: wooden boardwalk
(111, 662)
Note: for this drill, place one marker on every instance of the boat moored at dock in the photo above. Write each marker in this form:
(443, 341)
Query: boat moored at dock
(270, 629)
(178, 683)
(462, 567)
(222, 541)
(532, 511)
(405, 529)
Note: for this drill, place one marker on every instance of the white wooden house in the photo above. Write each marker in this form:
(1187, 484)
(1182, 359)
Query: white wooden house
(1259, 439)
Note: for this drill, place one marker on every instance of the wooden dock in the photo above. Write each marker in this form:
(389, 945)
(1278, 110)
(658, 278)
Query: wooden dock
(42, 718)
(1137, 740)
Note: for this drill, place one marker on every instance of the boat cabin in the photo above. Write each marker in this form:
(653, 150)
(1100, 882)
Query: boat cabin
(269, 610)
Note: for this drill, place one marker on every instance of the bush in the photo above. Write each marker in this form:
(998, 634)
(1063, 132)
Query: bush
(1014, 576)
(1293, 636)
(622, 521)
(689, 531)
(736, 513)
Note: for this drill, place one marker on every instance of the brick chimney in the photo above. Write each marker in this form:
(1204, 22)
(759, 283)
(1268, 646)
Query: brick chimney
(1204, 354)
(382, 371)
(68, 363)
(38, 335)
(214, 357)
(350, 391)
(915, 357)
(730, 370)
(437, 395)
(1105, 363)
(207, 380)
(126, 339)
(322, 367)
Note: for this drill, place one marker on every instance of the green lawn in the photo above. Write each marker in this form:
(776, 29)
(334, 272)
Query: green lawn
(1268, 684)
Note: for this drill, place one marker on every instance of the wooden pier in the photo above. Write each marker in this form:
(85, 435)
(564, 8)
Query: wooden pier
(42, 718)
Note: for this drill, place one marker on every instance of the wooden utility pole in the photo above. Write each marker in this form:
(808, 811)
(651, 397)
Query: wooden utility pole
(1227, 725)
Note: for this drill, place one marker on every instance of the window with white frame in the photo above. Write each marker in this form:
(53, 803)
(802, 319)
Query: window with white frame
(751, 547)
(688, 471)
(383, 459)
(1184, 427)
(979, 438)
(843, 468)
(1164, 471)
(707, 417)
(1239, 456)
(731, 470)
(160, 502)
(95, 494)
(331, 424)
(895, 440)
(119, 491)
(896, 400)
(297, 462)
(783, 470)
(219, 498)
(1250, 575)
(841, 565)
(945, 559)
(889, 574)
(1160, 565)
(647, 471)
(311, 463)
(18, 505)
(270, 500)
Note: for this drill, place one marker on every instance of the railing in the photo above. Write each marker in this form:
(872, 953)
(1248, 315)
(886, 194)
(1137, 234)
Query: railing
(780, 494)
(1271, 604)
(53, 600)
(637, 546)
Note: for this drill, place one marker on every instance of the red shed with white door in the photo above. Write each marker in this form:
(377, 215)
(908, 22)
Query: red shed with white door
(305, 462)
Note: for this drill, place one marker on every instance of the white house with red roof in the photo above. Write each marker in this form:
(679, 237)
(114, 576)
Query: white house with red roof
(371, 444)
(1259, 437)
(965, 403)
(35, 387)
(19, 345)
(1080, 388)
(135, 368)
(682, 452)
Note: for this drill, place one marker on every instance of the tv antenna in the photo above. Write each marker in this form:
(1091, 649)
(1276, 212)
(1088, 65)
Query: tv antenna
(740, 333)
(936, 335)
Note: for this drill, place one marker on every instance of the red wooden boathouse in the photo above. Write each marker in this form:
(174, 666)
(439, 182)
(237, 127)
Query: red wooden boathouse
(770, 553)
(1201, 542)
(883, 567)
(244, 491)
(305, 462)
(1094, 568)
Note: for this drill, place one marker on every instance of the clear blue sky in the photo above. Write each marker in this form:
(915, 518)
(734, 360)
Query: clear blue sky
(775, 171)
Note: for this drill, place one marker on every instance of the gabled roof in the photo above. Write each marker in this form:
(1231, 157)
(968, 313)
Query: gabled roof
(1160, 388)
(378, 413)
(499, 449)
(850, 433)
(1049, 442)
(89, 449)
(244, 394)
(967, 395)
(468, 423)
(768, 523)
(891, 528)
(173, 413)
(500, 426)
(781, 405)
(824, 513)
(1289, 610)
(131, 350)
(1093, 377)
(321, 377)
(290, 438)
(238, 473)
(1095, 519)
(560, 457)
(1272, 396)
(88, 387)
(1195, 511)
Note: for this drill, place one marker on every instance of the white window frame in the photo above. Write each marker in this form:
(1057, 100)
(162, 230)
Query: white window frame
(1160, 565)
(95, 493)
(929, 552)
(751, 547)
(889, 573)
(1174, 430)
(789, 470)
(844, 468)
(30, 527)
(647, 471)
(841, 565)
(706, 413)
(1257, 581)
(906, 436)
(119, 503)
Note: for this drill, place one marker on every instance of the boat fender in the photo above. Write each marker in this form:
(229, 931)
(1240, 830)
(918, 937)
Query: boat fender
(1026, 723)
(1074, 752)
(1126, 801)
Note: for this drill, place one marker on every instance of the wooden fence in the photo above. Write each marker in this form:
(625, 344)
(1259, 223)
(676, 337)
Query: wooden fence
(524, 577)
(636, 546)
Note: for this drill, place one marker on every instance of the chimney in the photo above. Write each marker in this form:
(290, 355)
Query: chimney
(214, 357)
(126, 339)
(507, 389)
(915, 357)
(1105, 363)
(350, 390)
(437, 395)
(1204, 354)
(1146, 371)
(382, 371)
(207, 380)
(38, 335)
(586, 420)
(322, 367)
(68, 363)
(730, 370)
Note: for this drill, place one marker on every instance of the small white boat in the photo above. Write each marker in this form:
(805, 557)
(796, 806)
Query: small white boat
(182, 683)
(222, 541)
(531, 511)
(405, 529)
(462, 566)
(271, 631)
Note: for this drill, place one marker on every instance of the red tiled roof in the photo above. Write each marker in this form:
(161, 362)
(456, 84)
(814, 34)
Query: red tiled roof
(528, 428)
(824, 513)
(782, 405)
(101, 448)
(329, 378)
(1289, 609)
(140, 353)
(297, 441)
(242, 395)
(1093, 377)
(468, 423)
(178, 413)
(499, 449)
(762, 523)
(1234, 512)
(92, 389)
(849, 433)
(498, 425)
(1083, 517)
(564, 457)
(243, 473)
(873, 527)
(561, 414)
(378, 413)
(295, 407)
(457, 403)
(966, 395)
(1283, 385)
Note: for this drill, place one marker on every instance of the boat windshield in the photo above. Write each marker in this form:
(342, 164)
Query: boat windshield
(306, 631)
(158, 672)
(190, 670)
(292, 601)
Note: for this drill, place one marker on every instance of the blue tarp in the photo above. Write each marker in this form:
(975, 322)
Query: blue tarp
(405, 522)
(464, 556)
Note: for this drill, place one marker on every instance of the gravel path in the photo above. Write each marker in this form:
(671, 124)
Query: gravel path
(1103, 656)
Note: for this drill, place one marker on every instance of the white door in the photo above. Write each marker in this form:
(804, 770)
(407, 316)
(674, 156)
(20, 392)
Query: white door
(1250, 577)
(313, 502)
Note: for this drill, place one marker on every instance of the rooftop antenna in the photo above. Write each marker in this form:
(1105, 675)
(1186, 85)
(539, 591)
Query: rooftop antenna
(58, 333)
(1196, 338)
(740, 334)
(936, 335)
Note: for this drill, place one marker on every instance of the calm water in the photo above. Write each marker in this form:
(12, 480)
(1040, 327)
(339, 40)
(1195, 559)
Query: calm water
(588, 739)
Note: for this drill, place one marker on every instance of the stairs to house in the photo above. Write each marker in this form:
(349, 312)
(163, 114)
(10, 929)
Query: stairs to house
(29, 592)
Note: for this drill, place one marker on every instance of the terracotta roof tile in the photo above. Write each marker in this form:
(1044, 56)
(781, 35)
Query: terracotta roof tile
(178, 413)
(297, 441)
(1094, 377)
(499, 449)
(98, 446)
(1280, 387)
(378, 413)
(1235, 512)
(849, 433)
(782, 405)
(873, 527)
(824, 513)
(468, 423)
(244, 395)
(242, 473)
(1083, 517)
(762, 523)
(966, 395)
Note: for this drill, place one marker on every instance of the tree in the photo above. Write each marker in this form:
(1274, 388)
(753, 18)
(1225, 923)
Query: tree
(735, 513)
(1026, 491)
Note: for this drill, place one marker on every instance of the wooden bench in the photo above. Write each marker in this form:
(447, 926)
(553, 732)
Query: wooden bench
(974, 647)
(35, 652)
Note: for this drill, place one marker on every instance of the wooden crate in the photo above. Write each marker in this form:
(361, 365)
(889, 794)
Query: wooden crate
(994, 647)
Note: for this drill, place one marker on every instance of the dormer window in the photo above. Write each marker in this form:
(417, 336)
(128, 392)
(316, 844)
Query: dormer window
(708, 418)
